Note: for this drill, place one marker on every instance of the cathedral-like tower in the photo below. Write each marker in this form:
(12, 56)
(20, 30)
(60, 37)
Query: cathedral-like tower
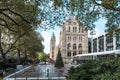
(52, 46)
(73, 39)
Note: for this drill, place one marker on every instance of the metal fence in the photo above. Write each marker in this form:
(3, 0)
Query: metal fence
(28, 73)
(37, 78)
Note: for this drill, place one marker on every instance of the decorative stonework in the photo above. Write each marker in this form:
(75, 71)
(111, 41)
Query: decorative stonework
(73, 40)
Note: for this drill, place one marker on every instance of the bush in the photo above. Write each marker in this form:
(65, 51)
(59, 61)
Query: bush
(104, 69)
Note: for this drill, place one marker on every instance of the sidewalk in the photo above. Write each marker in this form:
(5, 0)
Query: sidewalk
(13, 71)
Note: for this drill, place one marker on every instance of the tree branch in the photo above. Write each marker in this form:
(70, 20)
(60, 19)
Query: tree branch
(10, 18)
(6, 25)
(102, 5)
(7, 9)
(19, 16)
(14, 43)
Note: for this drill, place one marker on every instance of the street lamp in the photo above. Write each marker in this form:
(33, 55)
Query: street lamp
(92, 32)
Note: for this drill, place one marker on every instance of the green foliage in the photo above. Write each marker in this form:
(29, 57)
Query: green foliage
(32, 42)
(87, 11)
(59, 62)
(42, 56)
(19, 15)
(51, 13)
(104, 69)
(17, 18)
(22, 16)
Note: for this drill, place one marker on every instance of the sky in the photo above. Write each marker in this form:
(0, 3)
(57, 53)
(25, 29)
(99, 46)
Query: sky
(100, 28)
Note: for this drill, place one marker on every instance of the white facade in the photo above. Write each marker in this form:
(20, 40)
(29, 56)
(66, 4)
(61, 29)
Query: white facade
(106, 43)
(73, 39)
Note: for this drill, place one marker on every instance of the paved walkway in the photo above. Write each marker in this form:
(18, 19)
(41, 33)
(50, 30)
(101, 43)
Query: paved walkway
(40, 71)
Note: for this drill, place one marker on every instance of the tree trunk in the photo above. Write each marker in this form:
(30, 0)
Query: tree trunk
(26, 58)
(1, 49)
(19, 56)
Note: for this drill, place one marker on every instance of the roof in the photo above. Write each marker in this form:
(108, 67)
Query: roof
(99, 53)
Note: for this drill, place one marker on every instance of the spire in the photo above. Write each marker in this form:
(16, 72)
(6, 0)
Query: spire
(53, 34)
(75, 18)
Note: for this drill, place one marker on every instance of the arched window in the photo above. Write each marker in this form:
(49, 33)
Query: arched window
(68, 46)
(74, 46)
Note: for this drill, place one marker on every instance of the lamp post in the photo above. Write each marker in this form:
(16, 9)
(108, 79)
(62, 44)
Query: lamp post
(92, 32)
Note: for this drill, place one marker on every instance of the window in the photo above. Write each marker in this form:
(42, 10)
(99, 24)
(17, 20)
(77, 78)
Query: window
(80, 48)
(82, 30)
(74, 53)
(79, 29)
(80, 52)
(69, 29)
(70, 38)
(69, 54)
(68, 46)
(80, 39)
(74, 38)
(73, 29)
(74, 46)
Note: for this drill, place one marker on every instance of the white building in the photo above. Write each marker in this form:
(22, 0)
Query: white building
(106, 43)
(73, 40)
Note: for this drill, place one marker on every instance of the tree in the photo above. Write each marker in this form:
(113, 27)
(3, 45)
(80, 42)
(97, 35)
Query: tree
(104, 69)
(42, 56)
(87, 11)
(17, 20)
(59, 62)
(21, 16)
(30, 44)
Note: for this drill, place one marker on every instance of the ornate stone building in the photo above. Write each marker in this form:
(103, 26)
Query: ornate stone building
(73, 39)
